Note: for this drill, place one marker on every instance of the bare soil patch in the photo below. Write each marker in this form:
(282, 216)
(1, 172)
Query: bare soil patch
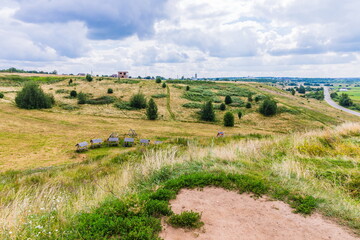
(228, 216)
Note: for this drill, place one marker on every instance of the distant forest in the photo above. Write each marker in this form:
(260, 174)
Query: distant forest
(15, 70)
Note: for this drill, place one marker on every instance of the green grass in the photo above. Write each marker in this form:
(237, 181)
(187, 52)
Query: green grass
(16, 79)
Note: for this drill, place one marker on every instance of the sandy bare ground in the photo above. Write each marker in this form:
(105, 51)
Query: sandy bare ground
(229, 215)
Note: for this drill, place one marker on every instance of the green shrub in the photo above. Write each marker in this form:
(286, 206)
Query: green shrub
(89, 78)
(157, 208)
(1, 95)
(240, 114)
(73, 94)
(70, 82)
(187, 88)
(163, 85)
(187, 219)
(229, 119)
(61, 91)
(122, 105)
(222, 107)
(192, 105)
(158, 80)
(101, 100)
(302, 89)
(248, 105)
(110, 91)
(151, 110)
(33, 97)
(250, 97)
(161, 95)
(345, 100)
(259, 98)
(138, 101)
(228, 100)
(268, 107)
(207, 112)
(82, 98)
(69, 107)
(163, 195)
(304, 205)
(199, 95)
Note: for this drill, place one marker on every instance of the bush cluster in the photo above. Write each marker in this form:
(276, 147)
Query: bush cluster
(268, 107)
(229, 119)
(207, 112)
(187, 219)
(138, 101)
(33, 97)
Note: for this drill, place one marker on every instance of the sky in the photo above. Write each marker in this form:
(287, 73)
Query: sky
(174, 38)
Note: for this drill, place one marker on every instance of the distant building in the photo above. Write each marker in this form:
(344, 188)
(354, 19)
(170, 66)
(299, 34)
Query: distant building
(123, 75)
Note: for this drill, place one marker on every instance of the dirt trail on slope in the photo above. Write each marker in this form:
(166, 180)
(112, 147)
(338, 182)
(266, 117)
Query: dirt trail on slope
(231, 216)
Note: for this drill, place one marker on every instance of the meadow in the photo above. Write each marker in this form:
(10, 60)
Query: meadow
(306, 155)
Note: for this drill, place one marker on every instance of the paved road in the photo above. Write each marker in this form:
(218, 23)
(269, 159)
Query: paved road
(335, 105)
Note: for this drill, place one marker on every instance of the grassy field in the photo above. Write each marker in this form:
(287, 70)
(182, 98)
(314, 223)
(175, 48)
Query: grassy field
(44, 182)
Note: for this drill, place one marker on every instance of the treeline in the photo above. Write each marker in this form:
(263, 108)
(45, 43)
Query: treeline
(15, 70)
(345, 101)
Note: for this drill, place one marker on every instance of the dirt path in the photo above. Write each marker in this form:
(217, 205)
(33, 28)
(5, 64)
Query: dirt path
(231, 216)
(335, 105)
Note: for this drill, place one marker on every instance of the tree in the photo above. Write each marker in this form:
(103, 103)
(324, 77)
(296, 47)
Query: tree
(164, 85)
(1, 95)
(268, 107)
(70, 81)
(228, 100)
(152, 110)
(229, 119)
(187, 88)
(88, 78)
(345, 100)
(248, 105)
(250, 97)
(207, 112)
(301, 89)
(82, 98)
(240, 114)
(138, 101)
(334, 95)
(73, 94)
(33, 97)
(158, 79)
(110, 91)
(292, 91)
(222, 107)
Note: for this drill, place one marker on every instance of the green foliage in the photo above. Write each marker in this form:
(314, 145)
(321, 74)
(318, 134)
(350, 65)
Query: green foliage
(319, 95)
(122, 105)
(163, 195)
(158, 79)
(110, 91)
(249, 97)
(73, 94)
(304, 205)
(187, 88)
(82, 98)
(194, 105)
(248, 105)
(292, 91)
(235, 91)
(207, 112)
(89, 78)
(138, 101)
(160, 95)
(33, 97)
(152, 110)
(186, 219)
(260, 97)
(228, 100)
(127, 81)
(163, 85)
(268, 107)
(157, 208)
(284, 109)
(101, 100)
(222, 107)
(199, 95)
(240, 114)
(345, 100)
(334, 95)
(69, 107)
(229, 119)
(302, 89)
(1, 95)
(61, 91)
(70, 82)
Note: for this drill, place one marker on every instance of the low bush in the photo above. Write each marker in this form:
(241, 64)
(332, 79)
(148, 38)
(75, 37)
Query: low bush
(82, 98)
(110, 91)
(122, 105)
(187, 219)
(161, 95)
(69, 107)
(33, 97)
(163, 85)
(222, 107)
(1, 95)
(73, 94)
(228, 100)
(138, 101)
(193, 105)
(229, 119)
(101, 100)
(268, 107)
(61, 91)
(304, 205)
(248, 105)
(240, 114)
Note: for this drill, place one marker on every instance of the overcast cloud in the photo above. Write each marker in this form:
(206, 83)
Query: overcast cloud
(310, 38)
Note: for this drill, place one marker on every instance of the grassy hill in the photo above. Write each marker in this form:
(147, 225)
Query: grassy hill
(294, 156)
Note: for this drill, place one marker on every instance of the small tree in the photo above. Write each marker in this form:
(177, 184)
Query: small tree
(334, 95)
(82, 98)
(152, 110)
(73, 94)
(302, 89)
(187, 88)
(268, 107)
(138, 101)
(250, 97)
(70, 81)
(229, 119)
(248, 105)
(222, 107)
(345, 100)
(158, 79)
(33, 97)
(240, 114)
(292, 91)
(88, 78)
(110, 91)
(163, 85)
(228, 100)
(207, 112)
(1, 95)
